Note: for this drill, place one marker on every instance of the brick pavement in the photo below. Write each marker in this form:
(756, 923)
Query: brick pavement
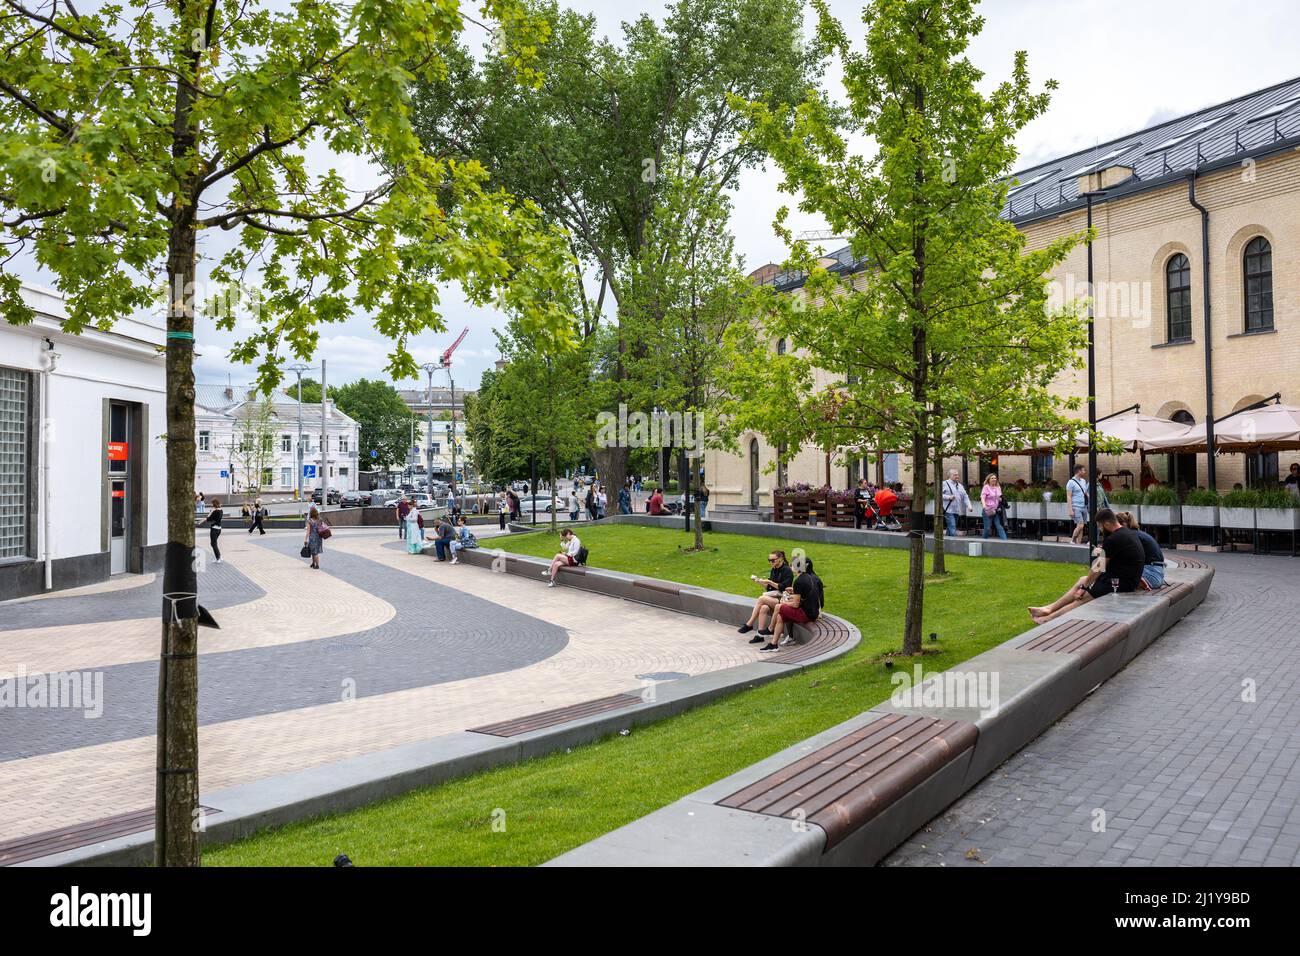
(1185, 772)
(579, 646)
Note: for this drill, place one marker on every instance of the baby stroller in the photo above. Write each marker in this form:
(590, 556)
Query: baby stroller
(879, 511)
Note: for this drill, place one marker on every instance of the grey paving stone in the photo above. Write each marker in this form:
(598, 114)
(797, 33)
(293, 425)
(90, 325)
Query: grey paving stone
(1167, 747)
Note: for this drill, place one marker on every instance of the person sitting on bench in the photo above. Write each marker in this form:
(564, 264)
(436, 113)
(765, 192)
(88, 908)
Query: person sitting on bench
(780, 577)
(802, 604)
(1153, 571)
(567, 556)
(1119, 570)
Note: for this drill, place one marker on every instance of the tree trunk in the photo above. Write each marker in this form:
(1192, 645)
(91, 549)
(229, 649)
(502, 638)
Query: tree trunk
(176, 838)
(938, 566)
(695, 503)
(611, 465)
(554, 503)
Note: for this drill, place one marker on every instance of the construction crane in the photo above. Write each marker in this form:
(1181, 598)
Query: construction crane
(820, 235)
(445, 361)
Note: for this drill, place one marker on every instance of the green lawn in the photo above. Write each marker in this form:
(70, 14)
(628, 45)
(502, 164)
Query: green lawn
(558, 802)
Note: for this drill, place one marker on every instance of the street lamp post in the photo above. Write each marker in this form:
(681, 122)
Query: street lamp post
(429, 368)
(298, 370)
(1092, 387)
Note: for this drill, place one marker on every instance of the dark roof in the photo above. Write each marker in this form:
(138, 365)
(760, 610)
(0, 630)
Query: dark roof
(1251, 126)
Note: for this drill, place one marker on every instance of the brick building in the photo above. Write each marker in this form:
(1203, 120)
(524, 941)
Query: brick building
(1155, 345)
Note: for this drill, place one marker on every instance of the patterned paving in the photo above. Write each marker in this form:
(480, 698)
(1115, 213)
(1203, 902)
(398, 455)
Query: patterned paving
(1190, 756)
(426, 649)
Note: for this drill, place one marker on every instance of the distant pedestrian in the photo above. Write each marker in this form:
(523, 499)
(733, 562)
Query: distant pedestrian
(246, 513)
(504, 507)
(516, 506)
(451, 501)
(591, 502)
(312, 539)
(601, 502)
(200, 505)
(625, 499)
(402, 508)
(413, 529)
(258, 514)
(213, 521)
(574, 503)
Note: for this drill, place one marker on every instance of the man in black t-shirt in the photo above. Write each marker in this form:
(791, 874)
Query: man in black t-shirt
(779, 578)
(1125, 559)
(802, 605)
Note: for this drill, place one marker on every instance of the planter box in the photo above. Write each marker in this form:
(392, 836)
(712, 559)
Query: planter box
(1201, 516)
(1028, 510)
(1056, 510)
(1134, 510)
(1277, 519)
(1237, 518)
(840, 514)
(1165, 515)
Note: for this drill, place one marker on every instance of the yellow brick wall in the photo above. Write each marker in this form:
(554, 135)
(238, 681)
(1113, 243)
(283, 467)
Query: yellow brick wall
(1135, 238)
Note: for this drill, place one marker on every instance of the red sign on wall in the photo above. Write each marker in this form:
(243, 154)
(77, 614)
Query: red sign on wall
(119, 493)
(117, 451)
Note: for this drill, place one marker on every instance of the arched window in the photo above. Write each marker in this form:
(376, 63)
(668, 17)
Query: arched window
(780, 346)
(1178, 298)
(1257, 274)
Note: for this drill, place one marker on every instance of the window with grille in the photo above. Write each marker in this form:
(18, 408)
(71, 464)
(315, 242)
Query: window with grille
(1259, 285)
(1178, 292)
(15, 410)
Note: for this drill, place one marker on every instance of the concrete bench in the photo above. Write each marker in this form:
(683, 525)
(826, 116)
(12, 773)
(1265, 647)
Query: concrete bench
(854, 792)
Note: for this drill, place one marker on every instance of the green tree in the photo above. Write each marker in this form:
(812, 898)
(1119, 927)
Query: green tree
(686, 290)
(948, 317)
(384, 420)
(131, 135)
(252, 446)
(589, 143)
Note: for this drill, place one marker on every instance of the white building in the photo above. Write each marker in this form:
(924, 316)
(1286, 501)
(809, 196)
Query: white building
(83, 489)
(221, 425)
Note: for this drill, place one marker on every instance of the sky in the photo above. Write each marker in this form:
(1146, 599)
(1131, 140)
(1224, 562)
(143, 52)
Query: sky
(1122, 65)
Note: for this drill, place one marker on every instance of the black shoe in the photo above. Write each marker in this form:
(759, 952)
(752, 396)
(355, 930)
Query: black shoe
(757, 640)
(765, 632)
(767, 648)
(744, 629)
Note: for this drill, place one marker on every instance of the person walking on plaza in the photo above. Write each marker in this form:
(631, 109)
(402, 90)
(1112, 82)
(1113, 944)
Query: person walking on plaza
(625, 500)
(200, 506)
(590, 501)
(213, 521)
(955, 502)
(516, 506)
(402, 507)
(246, 513)
(504, 507)
(574, 503)
(258, 514)
(991, 498)
(414, 534)
(1077, 491)
(312, 540)
(602, 501)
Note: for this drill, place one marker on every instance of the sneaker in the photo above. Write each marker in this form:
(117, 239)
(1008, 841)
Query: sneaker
(786, 640)
(546, 574)
(550, 584)
(767, 649)
(765, 632)
(744, 629)
(455, 560)
(758, 640)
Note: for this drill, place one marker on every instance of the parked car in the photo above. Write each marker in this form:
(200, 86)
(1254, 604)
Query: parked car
(331, 498)
(354, 499)
(423, 501)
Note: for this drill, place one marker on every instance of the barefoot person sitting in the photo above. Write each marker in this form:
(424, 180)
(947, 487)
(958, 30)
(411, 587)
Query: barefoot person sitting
(1120, 571)
(780, 577)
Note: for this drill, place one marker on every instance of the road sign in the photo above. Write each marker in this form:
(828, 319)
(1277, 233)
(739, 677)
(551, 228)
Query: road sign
(225, 474)
(309, 471)
(374, 453)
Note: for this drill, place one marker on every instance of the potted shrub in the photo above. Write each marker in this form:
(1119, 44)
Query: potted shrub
(840, 509)
(1127, 499)
(1237, 510)
(1056, 507)
(1278, 511)
(1160, 506)
(790, 505)
(1011, 495)
(1201, 508)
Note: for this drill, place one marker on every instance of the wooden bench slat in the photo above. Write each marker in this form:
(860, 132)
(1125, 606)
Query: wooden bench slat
(560, 715)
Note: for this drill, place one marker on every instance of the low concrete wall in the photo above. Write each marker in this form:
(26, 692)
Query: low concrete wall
(971, 547)
(1035, 689)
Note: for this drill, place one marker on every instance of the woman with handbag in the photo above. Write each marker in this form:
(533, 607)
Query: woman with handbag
(213, 520)
(991, 498)
(312, 542)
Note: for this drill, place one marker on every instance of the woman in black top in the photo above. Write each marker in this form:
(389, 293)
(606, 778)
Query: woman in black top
(214, 521)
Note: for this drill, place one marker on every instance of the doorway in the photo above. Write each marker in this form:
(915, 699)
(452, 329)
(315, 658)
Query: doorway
(753, 472)
(120, 482)
(1182, 468)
